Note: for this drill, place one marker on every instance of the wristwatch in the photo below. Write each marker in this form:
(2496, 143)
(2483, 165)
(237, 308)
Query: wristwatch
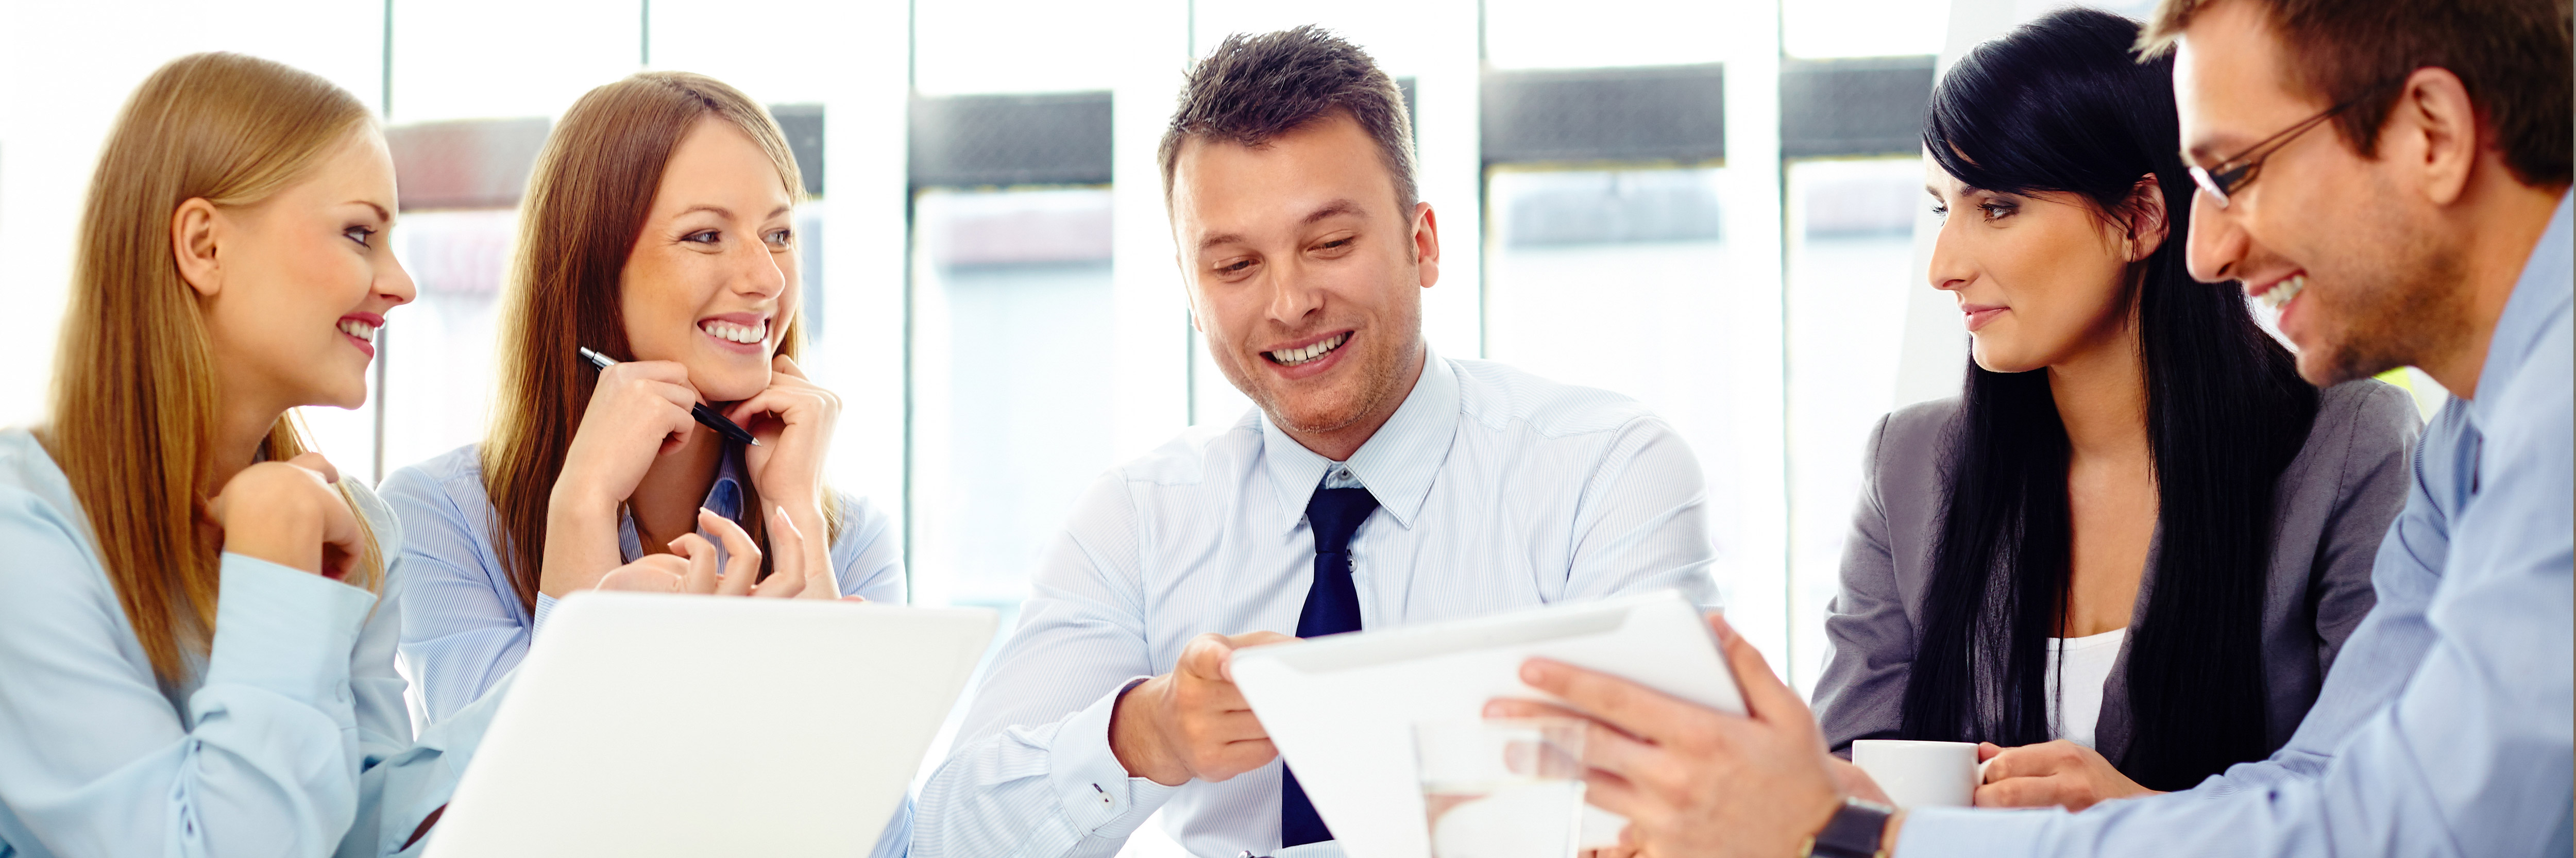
(1854, 832)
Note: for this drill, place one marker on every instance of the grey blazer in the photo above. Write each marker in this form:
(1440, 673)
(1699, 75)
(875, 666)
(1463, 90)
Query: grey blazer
(2334, 504)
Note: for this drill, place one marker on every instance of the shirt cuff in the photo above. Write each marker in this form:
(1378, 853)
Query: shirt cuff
(1940, 832)
(537, 621)
(285, 630)
(1098, 795)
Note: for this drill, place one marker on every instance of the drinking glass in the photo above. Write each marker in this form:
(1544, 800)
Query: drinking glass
(1501, 787)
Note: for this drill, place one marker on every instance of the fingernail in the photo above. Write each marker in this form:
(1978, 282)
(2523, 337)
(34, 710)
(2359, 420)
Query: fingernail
(1495, 709)
(1532, 672)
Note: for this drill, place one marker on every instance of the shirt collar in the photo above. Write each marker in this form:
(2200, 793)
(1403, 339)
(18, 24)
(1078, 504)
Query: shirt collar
(724, 497)
(1397, 463)
(2539, 297)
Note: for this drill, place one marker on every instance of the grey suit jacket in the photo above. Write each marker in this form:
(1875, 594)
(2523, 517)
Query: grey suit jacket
(2334, 504)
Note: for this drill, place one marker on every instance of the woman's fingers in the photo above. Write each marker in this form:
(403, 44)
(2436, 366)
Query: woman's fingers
(785, 365)
(343, 541)
(316, 463)
(656, 573)
(742, 555)
(789, 540)
(2018, 792)
(791, 404)
(701, 554)
(2040, 760)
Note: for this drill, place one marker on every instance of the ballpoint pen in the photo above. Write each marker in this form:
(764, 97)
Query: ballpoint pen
(706, 416)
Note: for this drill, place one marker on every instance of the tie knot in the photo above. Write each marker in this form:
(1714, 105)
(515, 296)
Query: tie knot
(1335, 514)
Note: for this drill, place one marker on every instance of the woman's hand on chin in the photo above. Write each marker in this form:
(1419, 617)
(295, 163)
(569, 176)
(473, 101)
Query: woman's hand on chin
(287, 513)
(2050, 773)
(639, 411)
(787, 466)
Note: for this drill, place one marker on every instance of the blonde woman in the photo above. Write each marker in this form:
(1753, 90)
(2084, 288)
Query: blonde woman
(658, 230)
(197, 618)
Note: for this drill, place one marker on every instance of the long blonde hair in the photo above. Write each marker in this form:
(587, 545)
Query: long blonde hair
(588, 198)
(134, 404)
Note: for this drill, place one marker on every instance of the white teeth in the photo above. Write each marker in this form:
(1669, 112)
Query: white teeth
(358, 329)
(731, 332)
(2283, 291)
(1293, 357)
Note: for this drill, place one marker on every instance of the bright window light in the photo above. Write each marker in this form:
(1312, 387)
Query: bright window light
(485, 59)
(1539, 33)
(1014, 46)
(1818, 29)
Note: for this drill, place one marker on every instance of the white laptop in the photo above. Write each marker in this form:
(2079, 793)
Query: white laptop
(651, 725)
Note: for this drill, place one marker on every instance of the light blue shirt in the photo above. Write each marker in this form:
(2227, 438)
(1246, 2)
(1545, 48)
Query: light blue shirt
(290, 736)
(2448, 725)
(1497, 490)
(464, 627)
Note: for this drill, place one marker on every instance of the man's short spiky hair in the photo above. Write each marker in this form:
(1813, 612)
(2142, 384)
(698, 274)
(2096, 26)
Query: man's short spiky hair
(2513, 56)
(1252, 89)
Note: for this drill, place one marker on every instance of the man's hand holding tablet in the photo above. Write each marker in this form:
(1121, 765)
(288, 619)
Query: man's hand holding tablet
(1192, 722)
(1694, 781)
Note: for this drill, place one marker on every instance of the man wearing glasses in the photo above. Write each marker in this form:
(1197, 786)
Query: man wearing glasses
(2429, 228)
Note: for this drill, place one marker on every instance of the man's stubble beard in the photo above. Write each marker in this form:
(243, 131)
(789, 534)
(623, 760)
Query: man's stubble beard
(2396, 310)
(1382, 366)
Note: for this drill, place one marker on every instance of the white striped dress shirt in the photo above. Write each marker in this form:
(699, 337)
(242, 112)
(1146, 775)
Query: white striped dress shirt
(1497, 489)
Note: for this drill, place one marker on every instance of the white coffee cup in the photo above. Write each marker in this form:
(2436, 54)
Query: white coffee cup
(1920, 774)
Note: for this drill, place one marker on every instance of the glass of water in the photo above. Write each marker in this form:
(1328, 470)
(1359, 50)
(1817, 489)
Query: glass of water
(1502, 787)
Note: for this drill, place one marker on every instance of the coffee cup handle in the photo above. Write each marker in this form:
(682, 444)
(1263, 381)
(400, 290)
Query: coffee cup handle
(1981, 770)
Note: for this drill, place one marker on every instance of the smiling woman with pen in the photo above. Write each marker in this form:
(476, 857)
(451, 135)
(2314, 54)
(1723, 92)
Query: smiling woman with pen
(657, 230)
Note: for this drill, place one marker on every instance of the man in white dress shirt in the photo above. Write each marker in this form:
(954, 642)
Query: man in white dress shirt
(1376, 485)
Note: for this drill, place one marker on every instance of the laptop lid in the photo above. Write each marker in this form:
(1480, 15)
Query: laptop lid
(654, 724)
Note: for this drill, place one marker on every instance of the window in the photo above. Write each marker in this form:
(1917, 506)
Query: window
(1011, 291)
(1712, 207)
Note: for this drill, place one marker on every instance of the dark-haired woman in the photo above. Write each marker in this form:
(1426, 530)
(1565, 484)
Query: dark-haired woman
(2128, 553)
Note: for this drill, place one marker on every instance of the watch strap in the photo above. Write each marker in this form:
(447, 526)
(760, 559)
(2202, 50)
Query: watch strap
(1854, 831)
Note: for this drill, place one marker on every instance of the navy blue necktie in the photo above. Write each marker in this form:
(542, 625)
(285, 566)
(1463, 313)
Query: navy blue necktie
(1332, 607)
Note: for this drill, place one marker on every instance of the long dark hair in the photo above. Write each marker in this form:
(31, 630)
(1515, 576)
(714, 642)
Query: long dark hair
(2060, 105)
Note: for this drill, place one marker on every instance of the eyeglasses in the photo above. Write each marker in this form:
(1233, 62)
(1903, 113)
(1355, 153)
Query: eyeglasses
(2233, 173)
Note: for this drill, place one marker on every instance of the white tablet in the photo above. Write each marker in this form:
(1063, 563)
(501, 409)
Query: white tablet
(1341, 708)
(654, 725)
